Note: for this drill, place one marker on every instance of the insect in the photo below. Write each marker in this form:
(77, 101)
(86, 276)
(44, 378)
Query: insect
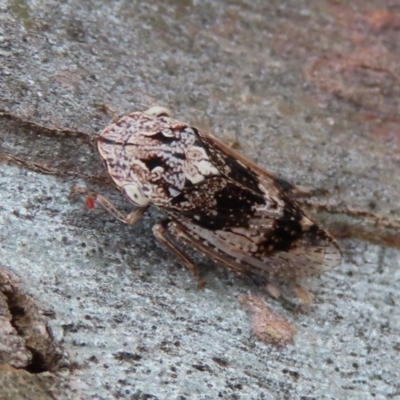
(215, 200)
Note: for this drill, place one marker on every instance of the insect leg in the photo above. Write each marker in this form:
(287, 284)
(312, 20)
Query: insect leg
(129, 219)
(159, 231)
(184, 235)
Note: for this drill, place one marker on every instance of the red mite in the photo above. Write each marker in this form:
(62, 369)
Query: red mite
(90, 202)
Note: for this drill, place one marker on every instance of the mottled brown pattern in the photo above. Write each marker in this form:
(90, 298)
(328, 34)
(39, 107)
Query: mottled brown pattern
(216, 201)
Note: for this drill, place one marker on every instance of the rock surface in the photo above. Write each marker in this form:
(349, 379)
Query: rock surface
(308, 91)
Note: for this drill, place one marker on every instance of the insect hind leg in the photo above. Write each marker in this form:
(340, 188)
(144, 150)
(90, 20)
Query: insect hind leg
(159, 231)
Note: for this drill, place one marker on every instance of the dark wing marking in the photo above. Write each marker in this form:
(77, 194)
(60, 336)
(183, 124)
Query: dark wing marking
(295, 244)
(269, 239)
(216, 203)
(234, 165)
(227, 162)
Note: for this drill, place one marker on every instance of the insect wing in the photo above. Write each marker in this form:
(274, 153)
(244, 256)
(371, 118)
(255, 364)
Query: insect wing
(245, 215)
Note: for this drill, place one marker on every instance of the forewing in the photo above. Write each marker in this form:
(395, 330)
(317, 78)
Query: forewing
(235, 166)
(261, 235)
(288, 242)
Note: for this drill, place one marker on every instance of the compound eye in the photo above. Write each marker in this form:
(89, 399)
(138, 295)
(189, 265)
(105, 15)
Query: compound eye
(158, 111)
(133, 194)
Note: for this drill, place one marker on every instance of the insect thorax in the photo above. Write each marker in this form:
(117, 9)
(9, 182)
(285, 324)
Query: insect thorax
(153, 159)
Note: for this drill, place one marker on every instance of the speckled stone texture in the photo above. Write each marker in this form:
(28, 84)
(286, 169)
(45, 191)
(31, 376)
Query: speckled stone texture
(306, 89)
